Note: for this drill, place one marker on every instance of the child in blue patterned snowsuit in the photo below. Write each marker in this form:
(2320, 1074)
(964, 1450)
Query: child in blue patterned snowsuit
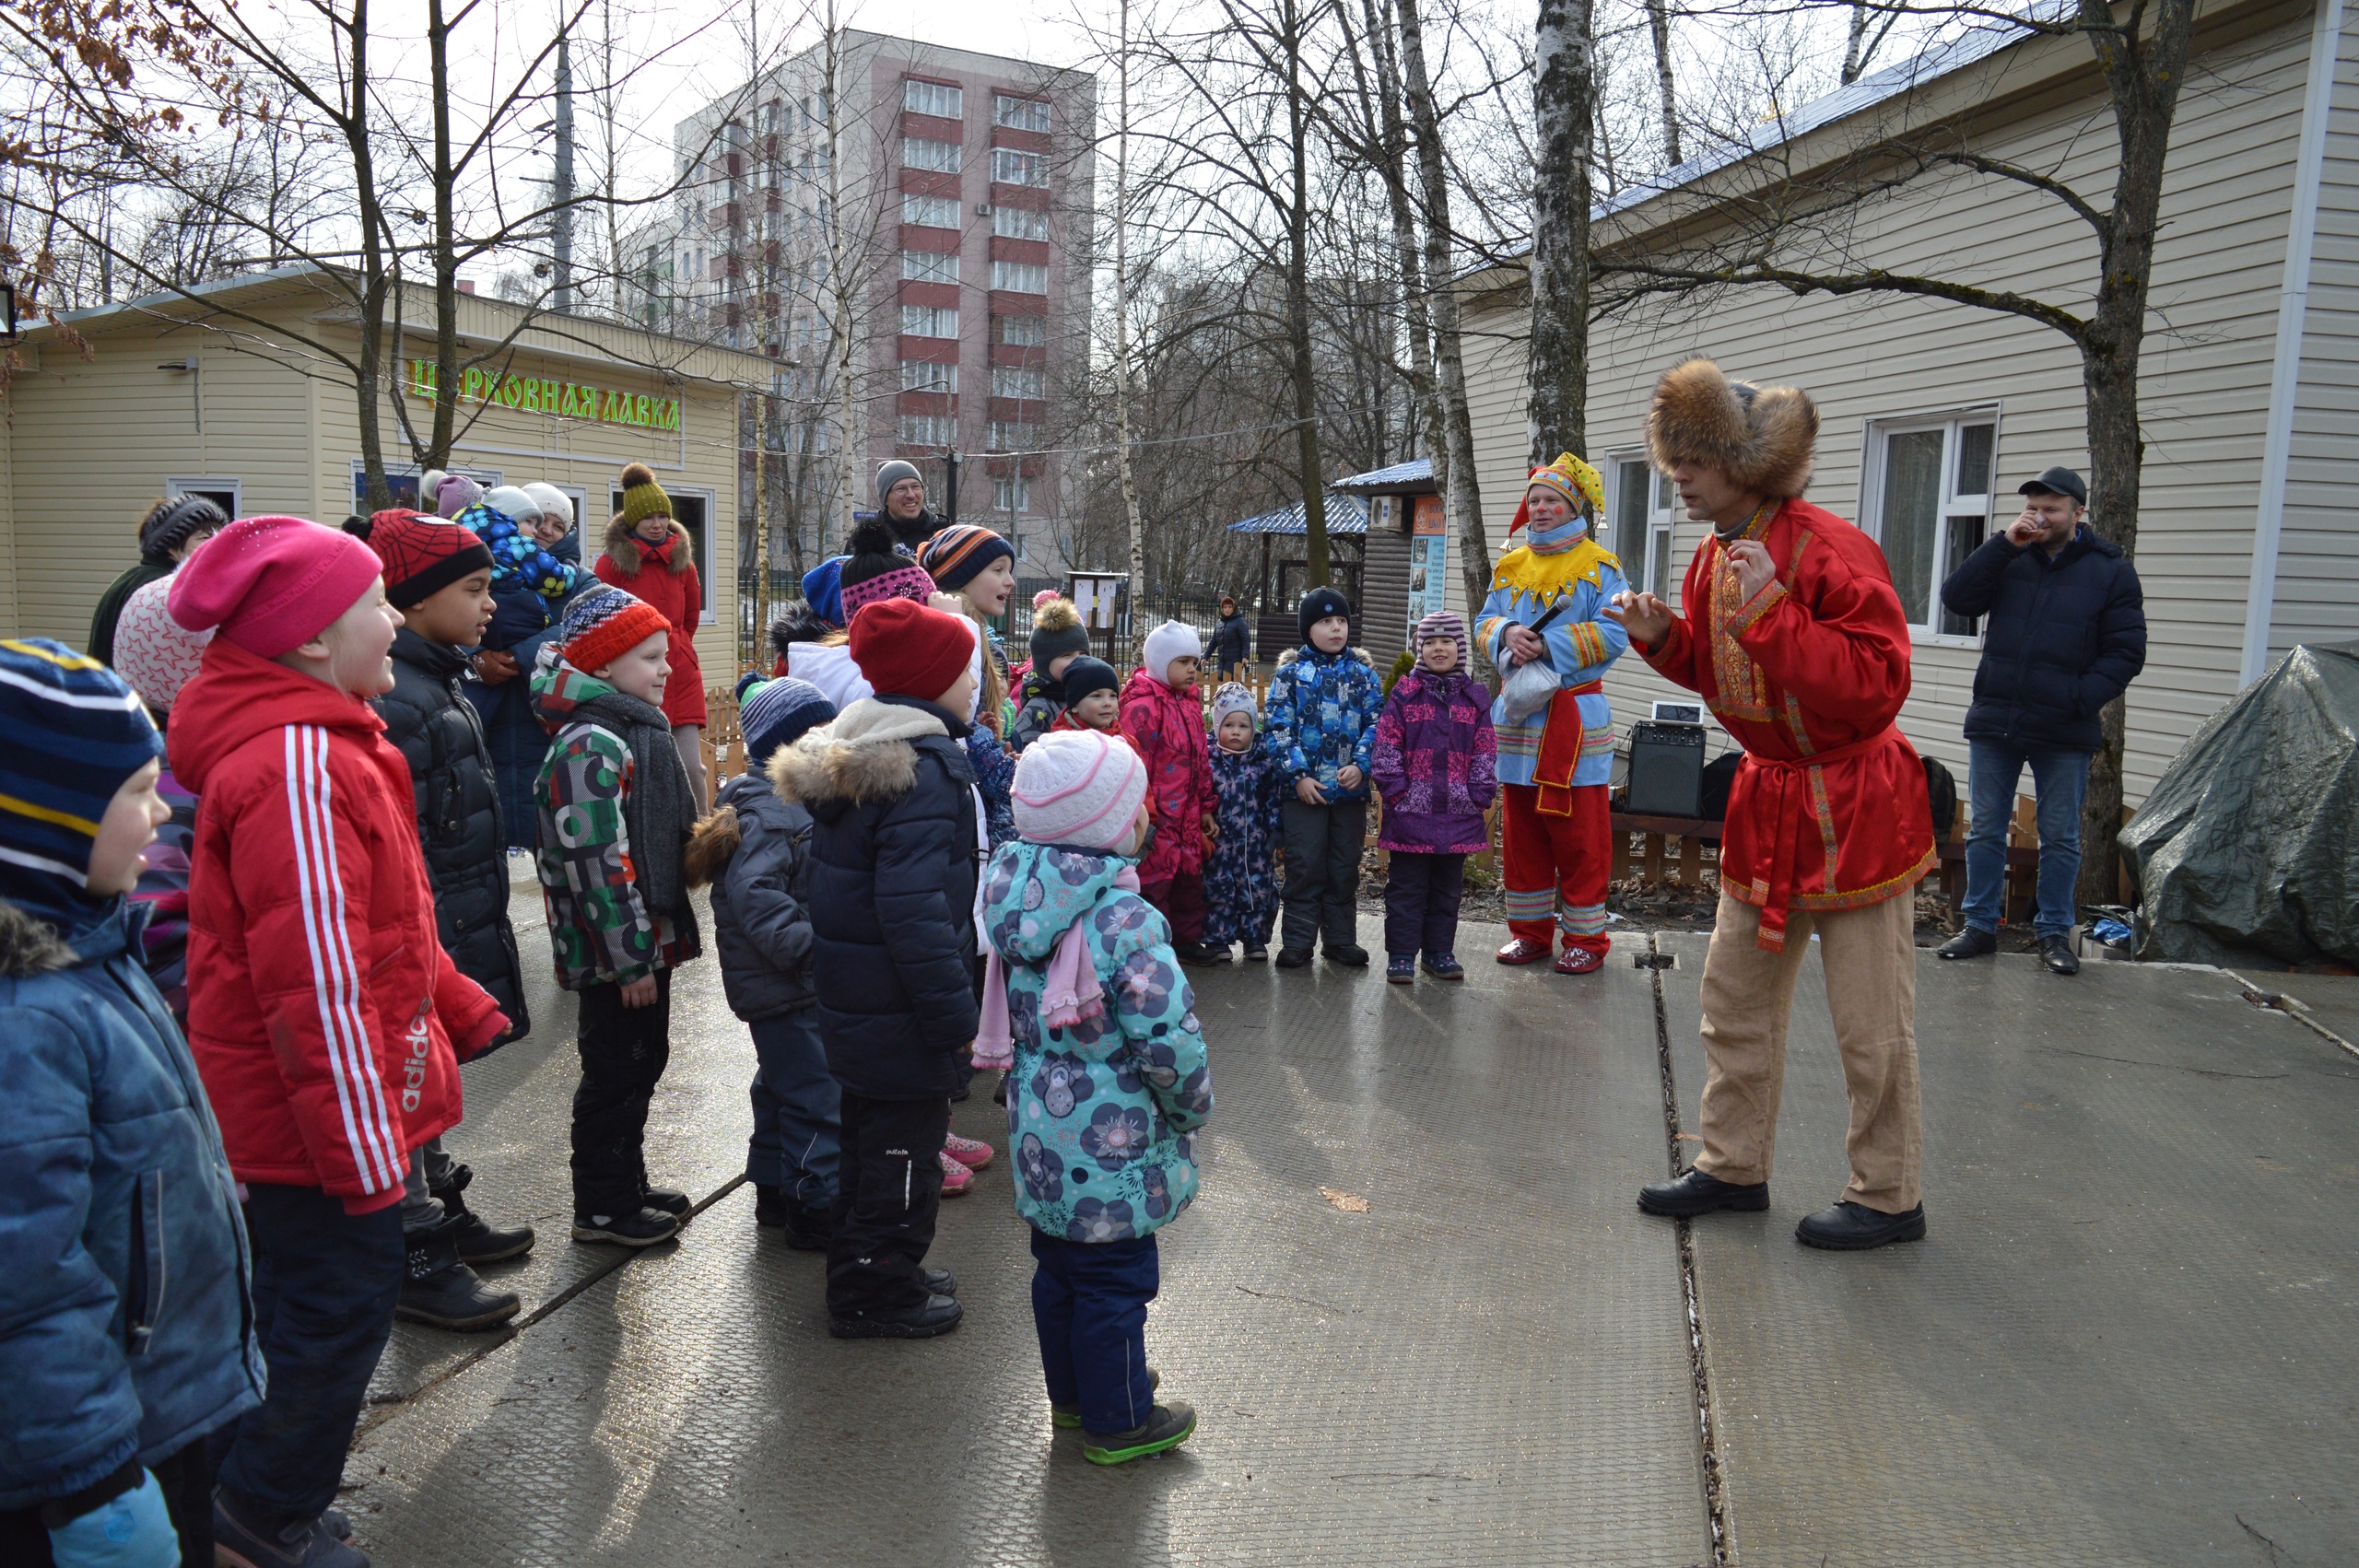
(1110, 1080)
(1322, 719)
(1241, 878)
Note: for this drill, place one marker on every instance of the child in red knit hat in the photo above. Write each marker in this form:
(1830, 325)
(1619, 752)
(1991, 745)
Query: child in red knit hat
(323, 1012)
(616, 808)
(895, 850)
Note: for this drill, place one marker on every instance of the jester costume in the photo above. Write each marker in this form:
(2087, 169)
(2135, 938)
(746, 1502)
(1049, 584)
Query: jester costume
(1553, 766)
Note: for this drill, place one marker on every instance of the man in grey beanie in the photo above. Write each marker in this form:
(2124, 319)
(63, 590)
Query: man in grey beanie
(901, 493)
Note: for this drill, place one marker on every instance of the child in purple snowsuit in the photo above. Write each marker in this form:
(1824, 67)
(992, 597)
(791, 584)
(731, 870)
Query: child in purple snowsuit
(1241, 874)
(1434, 764)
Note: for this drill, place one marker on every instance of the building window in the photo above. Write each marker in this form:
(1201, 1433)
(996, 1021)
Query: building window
(932, 97)
(1019, 277)
(931, 212)
(924, 375)
(1930, 481)
(930, 266)
(1644, 509)
(1010, 435)
(1011, 493)
(1019, 223)
(1019, 113)
(918, 153)
(928, 429)
(1019, 380)
(929, 320)
(1020, 332)
(1011, 168)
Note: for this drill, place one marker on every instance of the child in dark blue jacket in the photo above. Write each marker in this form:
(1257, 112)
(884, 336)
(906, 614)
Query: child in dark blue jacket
(124, 1313)
(755, 848)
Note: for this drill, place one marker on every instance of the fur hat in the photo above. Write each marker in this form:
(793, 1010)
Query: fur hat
(1760, 437)
(1078, 787)
(172, 522)
(1172, 640)
(1056, 631)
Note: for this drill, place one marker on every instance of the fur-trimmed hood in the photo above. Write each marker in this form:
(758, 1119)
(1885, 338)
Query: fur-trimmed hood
(868, 755)
(1761, 436)
(624, 545)
(1362, 654)
(30, 947)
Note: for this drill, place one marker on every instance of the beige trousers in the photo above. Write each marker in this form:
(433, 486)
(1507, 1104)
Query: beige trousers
(1870, 955)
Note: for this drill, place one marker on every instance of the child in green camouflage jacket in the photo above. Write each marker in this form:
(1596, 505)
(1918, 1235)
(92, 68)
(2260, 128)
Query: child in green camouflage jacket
(616, 813)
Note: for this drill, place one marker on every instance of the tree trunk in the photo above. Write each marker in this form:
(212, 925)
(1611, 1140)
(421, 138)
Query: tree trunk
(1454, 471)
(368, 375)
(1381, 44)
(446, 257)
(1316, 569)
(848, 460)
(2144, 77)
(1127, 471)
(1564, 109)
(1658, 23)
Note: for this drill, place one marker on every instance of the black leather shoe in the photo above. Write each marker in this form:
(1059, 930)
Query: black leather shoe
(1971, 942)
(1293, 957)
(2056, 952)
(1695, 1192)
(1855, 1227)
(938, 1316)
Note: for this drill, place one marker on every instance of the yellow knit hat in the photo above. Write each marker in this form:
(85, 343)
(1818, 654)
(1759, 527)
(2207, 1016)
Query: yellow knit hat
(643, 497)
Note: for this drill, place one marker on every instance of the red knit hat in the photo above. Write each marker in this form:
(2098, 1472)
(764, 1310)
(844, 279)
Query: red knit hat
(422, 555)
(270, 584)
(905, 648)
(603, 624)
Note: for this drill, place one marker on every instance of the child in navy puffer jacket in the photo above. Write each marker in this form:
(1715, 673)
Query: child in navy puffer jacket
(1322, 726)
(755, 848)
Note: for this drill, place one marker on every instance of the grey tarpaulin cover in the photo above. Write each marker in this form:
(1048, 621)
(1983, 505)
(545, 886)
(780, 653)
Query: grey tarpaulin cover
(2248, 843)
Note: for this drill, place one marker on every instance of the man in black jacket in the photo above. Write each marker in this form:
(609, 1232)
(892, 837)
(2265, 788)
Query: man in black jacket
(2067, 635)
(439, 576)
(894, 859)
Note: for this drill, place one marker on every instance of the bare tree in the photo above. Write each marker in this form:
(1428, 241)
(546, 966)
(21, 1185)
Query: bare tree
(1563, 102)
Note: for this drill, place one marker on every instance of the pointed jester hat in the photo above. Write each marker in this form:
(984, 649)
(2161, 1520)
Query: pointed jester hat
(1580, 483)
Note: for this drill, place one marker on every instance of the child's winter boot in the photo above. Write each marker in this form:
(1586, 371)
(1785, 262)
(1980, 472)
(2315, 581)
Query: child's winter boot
(1165, 1429)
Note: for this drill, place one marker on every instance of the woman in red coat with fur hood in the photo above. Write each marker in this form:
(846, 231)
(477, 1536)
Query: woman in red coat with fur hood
(651, 556)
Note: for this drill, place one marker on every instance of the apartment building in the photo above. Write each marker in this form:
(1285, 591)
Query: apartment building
(958, 269)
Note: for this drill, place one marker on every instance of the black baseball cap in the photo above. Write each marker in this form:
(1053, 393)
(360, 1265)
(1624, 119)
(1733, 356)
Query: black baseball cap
(2057, 481)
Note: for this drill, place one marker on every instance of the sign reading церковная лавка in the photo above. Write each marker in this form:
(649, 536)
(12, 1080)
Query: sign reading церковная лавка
(537, 394)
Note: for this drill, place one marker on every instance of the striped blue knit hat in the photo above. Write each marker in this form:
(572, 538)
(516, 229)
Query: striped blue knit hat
(776, 713)
(71, 731)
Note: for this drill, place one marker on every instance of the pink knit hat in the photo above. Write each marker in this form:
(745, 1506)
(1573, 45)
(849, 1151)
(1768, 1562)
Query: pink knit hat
(1077, 787)
(270, 584)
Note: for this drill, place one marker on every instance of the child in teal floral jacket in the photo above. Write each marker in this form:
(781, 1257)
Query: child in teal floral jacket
(1110, 1080)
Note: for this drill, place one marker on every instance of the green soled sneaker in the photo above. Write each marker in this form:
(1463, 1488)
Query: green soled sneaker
(1067, 1416)
(1167, 1428)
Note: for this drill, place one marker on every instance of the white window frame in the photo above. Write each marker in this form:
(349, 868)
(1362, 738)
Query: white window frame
(931, 212)
(921, 97)
(175, 488)
(1018, 113)
(1874, 436)
(1019, 223)
(938, 429)
(931, 317)
(1019, 277)
(916, 375)
(1654, 570)
(1010, 435)
(948, 159)
(1036, 375)
(1038, 337)
(1012, 493)
(930, 266)
(1012, 166)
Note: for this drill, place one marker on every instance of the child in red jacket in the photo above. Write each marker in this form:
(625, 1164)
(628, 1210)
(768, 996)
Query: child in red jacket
(323, 1012)
(1164, 719)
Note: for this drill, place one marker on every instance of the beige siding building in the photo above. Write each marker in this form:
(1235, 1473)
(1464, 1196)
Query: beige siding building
(163, 395)
(1931, 414)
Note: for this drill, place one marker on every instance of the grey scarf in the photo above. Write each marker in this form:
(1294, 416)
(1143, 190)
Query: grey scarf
(660, 810)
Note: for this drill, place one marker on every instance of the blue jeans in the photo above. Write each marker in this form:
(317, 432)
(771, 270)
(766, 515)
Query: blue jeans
(2059, 779)
(325, 1286)
(798, 1118)
(1089, 1308)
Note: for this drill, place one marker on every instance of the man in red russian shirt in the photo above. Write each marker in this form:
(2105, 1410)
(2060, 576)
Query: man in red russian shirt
(1791, 632)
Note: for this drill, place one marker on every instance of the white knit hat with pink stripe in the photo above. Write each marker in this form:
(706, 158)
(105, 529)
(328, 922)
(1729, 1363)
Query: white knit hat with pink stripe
(1078, 787)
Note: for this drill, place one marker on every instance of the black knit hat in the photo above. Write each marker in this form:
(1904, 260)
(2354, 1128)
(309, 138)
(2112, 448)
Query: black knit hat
(1056, 631)
(170, 524)
(1316, 605)
(1086, 675)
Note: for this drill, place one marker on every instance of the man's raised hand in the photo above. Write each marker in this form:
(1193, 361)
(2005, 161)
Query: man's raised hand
(1643, 615)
